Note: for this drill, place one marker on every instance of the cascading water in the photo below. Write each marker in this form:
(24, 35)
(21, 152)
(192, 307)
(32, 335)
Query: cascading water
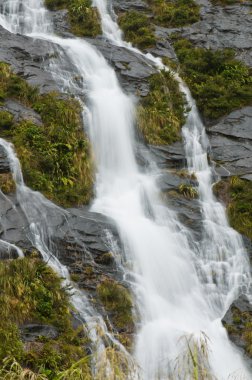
(171, 293)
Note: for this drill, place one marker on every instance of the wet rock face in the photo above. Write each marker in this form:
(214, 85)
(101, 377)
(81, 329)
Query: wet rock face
(133, 69)
(238, 321)
(29, 58)
(4, 163)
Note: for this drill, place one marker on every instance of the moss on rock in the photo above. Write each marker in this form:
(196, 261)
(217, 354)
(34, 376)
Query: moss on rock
(218, 82)
(237, 194)
(161, 112)
(55, 157)
(83, 17)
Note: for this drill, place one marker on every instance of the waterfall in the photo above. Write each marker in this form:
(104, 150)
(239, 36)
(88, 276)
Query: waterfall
(175, 298)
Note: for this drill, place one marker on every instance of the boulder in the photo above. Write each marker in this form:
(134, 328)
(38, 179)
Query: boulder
(33, 332)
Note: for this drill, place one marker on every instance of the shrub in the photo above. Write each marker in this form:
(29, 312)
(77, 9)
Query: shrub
(174, 13)
(219, 82)
(137, 29)
(161, 112)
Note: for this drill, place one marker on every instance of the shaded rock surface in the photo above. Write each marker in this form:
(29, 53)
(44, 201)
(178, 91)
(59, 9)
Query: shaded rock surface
(4, 163)
(33, 332)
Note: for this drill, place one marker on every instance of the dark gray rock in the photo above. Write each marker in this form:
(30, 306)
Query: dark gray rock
(28, 58)
(60, 22)
(238, 124)
(126, 5)
(20, 112)
(223, 27)
(8, 251)
(33, 332)
(231, 143)
(4, 162)
(171, 156)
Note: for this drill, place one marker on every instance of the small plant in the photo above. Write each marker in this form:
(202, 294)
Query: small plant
(188, 191)
(193, 363)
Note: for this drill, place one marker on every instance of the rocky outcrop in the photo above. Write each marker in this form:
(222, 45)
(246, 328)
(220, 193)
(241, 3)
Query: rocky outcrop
(20, 112)
(223, 27)
(237, 321)
(231, 143)
(29, 58)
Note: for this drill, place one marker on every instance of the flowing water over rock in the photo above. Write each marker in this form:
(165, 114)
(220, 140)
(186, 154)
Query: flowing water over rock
(182, 288)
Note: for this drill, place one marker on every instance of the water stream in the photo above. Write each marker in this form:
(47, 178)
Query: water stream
(181, 288)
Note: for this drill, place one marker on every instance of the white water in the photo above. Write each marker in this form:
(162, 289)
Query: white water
(174, 298)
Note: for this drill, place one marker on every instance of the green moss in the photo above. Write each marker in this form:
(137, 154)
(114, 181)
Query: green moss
(117, 300)
(237, 194)
(31, 292)
(161, 112)
(55, 157)
(174, 13)
(137, 29)
(219, 82)
(84, 19)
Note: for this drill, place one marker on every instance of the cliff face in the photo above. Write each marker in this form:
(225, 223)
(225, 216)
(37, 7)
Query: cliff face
(82, 238)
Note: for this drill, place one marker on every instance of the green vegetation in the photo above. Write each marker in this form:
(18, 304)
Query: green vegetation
(238, 196)
(55, 157)
(30, 292)
(174, 13)
(188, 191)
(161, 112)
(219, 82)
(117, 300)
(84, 19)
(137, 29)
